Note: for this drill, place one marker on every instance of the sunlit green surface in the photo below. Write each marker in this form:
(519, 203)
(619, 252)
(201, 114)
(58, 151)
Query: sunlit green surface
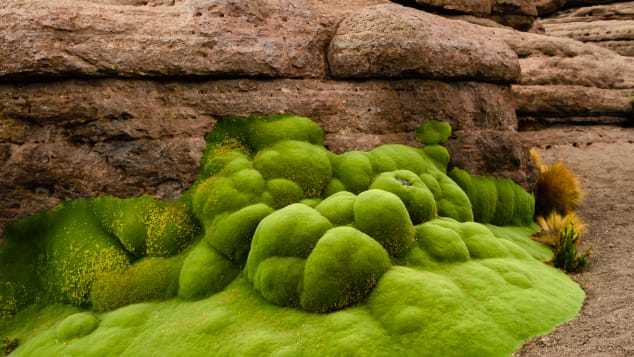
(381, 257)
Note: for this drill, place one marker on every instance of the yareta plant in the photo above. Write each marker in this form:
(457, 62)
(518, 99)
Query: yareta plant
(296, 250)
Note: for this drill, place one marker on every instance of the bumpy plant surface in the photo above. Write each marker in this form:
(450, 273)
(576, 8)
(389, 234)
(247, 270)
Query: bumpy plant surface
(283, 248)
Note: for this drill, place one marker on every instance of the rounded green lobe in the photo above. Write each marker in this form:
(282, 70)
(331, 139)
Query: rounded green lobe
(306, 164)
(343, 268)
(231, 234)
(291, 231)
(338, 208)
(384, 217)
(409, 187)
(77, 325)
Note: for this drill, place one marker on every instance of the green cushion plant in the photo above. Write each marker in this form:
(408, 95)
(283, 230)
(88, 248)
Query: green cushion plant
(297, 250)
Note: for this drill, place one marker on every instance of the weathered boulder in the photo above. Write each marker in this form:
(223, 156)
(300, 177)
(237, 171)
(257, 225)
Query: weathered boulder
(547, 7)
(495, 151)
(193, 38)
(553, 104)
(518, 14)
(396, 41)
(610, 26)
(547, 60)
(564, 80)
(481, 8)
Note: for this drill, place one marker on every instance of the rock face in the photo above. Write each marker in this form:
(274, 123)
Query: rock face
(115, 96)
(518, 14)
(191, 38)
(610, 26)
(564, 80)
(409, 44)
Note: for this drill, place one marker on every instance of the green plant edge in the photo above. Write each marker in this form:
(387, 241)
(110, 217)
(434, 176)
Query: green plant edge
(423, 305)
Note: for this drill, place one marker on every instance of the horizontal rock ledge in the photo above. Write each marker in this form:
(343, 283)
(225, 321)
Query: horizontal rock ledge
(527, 122)
(372, 106)
(211, 38)
(595, 31)
(572, 101)
(228, 39)
(610, 26)
(550, 60)
(396, 41)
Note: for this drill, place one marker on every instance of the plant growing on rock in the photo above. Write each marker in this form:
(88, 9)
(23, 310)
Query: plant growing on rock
(305, 251)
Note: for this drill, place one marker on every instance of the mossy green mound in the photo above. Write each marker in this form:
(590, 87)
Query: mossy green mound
(297, 250)
(77, 325)
(342, 269)
(384, 217)
(497, 201)
(409, 187)
(477, 308)
(433, 132)
(306, 164)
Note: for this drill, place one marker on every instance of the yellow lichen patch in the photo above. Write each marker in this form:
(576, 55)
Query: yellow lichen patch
(8, 298)
(226, 145)
(169, 229)
(75, 270)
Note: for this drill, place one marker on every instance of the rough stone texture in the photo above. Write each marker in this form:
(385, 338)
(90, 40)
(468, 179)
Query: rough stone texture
(115, 96)
(610, 26)
(582, 3)
(396, 41)
(81, 138)
(564, 78)
(481, 8)
(281, 38)
(518, 14)
(495, 151)
(553, 60)
(573, 101)
(547, 7)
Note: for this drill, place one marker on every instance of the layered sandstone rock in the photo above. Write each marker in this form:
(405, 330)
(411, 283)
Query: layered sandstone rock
(610, 26)
(191, 38)
(518, 14)
(390, 41)
(115, 96)
(564, 80)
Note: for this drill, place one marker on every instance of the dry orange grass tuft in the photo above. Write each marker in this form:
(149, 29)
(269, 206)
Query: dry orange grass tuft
(554, 223)
(563, 235)
(558, 189)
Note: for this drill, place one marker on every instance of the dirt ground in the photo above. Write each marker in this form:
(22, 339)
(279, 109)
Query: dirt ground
(603, 160)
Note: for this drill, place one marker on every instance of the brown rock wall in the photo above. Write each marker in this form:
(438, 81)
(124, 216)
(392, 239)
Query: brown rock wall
(518, 14)
(565, 80)
(77, 138)
(193, 38)
(573, 101)
(396, 41)
(610, 26)
(115, 96)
